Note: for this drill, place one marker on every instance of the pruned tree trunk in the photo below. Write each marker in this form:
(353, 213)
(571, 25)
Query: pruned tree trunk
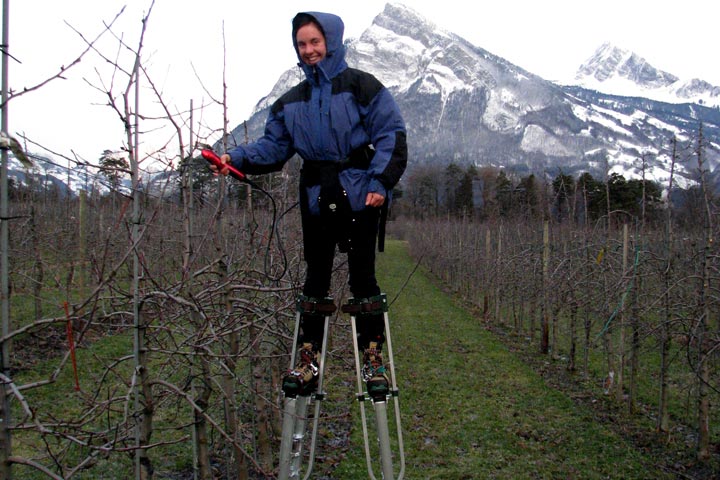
(39, 272)
(498, 259)
(703, 357)
(5, 438)
(186, 192)
(82, 240)
(203, 392)
(545, 327)
(587, 321)
(236, 464)
(572, 357)
(619, 383)
(147, 408)
(663, 416)
(260, 383)
(5, 344)
(634, 345)
(237, 467)
(486, 288)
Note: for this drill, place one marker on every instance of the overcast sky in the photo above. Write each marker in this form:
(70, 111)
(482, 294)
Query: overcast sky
(184, 47)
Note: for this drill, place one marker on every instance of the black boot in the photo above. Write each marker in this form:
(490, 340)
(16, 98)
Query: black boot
(303, 379)
(374, 372)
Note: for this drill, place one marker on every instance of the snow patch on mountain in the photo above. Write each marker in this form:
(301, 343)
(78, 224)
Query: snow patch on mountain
(503, 111)
(537, 139)
(404, 54)
(601, 116)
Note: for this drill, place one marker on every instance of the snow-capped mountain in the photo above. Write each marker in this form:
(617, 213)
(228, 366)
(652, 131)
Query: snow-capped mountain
(464, 104)
(48, 175)
(617, 71)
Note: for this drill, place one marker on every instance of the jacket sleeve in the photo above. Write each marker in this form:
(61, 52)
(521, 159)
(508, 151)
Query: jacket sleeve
(387, 132)
(270, 152)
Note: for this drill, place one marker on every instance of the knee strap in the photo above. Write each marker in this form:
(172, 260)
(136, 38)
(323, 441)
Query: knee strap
(376, 305)
(310, 305)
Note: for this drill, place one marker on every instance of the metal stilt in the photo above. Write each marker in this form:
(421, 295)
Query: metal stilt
(295, 408)
(358, 308)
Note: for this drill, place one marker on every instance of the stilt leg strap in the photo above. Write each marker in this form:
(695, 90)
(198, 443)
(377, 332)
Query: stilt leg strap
(325, 306)
(366, 306)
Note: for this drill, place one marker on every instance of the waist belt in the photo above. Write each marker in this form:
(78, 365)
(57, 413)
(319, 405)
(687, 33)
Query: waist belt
(316, 172)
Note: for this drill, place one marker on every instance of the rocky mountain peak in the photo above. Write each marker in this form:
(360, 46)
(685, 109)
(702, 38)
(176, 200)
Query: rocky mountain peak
(405, 22)
(618, 71)
(610, 61)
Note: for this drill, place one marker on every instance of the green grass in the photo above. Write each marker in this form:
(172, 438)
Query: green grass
(682, 403)
(471, 409)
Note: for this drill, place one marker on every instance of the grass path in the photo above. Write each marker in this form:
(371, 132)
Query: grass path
(471, 409)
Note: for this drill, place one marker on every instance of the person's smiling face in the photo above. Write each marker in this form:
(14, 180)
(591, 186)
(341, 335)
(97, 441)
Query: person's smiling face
(311, 44)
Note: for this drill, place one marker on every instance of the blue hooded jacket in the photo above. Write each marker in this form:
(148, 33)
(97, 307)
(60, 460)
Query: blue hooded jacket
(335, 111)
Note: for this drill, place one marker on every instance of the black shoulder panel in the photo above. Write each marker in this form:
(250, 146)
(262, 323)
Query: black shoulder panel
(364, 86)
(299, 93)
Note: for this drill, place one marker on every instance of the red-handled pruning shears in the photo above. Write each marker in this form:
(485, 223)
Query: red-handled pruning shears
(213, 158)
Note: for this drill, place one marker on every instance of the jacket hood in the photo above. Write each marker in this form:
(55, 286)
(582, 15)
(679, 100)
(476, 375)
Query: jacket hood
(333, 28)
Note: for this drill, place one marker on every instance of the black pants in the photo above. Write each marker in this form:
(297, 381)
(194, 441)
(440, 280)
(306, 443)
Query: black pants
(321, 236)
